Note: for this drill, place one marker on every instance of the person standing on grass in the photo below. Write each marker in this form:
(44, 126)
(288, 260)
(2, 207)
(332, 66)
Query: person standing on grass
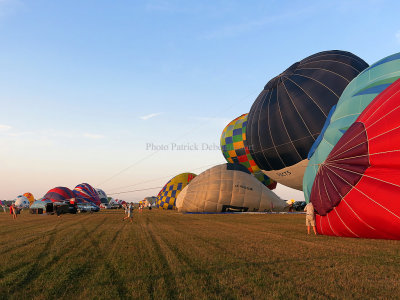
(13, 210)
(130, 212)
(127, 214)
(310, 217)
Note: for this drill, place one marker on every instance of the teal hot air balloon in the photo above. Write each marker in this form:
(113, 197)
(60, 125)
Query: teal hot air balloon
(354, 99)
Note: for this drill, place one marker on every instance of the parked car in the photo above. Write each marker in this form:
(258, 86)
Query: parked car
(61, 207)
(299, 205)
(95, 208)
(88, 207)
(84, 207)
(72, 209)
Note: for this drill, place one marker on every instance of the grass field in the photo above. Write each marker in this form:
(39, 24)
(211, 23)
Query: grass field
(167, 255)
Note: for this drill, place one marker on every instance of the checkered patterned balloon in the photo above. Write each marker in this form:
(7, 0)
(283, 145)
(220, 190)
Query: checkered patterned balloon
(233, 148)
(166, 198)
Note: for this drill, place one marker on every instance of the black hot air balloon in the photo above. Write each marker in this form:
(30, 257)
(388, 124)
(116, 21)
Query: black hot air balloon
(290, 112)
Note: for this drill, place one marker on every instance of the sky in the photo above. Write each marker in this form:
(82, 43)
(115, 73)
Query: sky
(110, 92)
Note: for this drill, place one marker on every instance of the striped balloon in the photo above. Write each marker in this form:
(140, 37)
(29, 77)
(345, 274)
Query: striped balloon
(85, 192)
(58, 194)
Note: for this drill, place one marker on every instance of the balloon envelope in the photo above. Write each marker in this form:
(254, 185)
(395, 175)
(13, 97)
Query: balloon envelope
(356, 188)
(354, 99)
(22, 202)
(58, 194)
(86, 192)
(290, 112)
(102, 195)
(228, 187)
(233, 148)
(167, 196)
(30, 197)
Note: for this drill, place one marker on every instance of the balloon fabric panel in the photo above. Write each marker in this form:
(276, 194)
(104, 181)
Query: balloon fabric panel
(369, 154)
(235, 152)
(354, 99)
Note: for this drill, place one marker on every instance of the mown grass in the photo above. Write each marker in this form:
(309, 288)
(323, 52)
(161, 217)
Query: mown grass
(167, 255)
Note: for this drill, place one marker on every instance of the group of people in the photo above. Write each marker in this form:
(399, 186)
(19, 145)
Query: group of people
(129, 211)
(309, 209)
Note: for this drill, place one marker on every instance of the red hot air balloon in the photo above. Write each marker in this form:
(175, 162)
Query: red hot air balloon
(59, 194)
(356, 188)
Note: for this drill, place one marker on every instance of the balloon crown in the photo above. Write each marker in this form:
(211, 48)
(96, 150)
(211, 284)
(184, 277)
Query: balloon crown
(273, 83)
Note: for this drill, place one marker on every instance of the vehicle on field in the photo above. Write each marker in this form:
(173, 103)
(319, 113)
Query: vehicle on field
(61, 208)
(299, 205)
(95, 208)
(105, 206)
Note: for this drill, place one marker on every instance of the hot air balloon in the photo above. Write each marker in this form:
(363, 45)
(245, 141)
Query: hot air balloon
(356, 188)
(30, 197)
(22, 202)
(225, 188)
(234, 150)
(102, 196)
(150, 200)
(167, 196)
(85, 192)
(290, 112)
(357, 95)
(59, 194)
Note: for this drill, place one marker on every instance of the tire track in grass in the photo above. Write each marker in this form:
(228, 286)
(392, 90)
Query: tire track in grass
(113, 273)
(210, 281)
(151, 278)
(28, 242)
(168, 276)
(16, 268)
(79, 271)
(36, 270)
(87, 267)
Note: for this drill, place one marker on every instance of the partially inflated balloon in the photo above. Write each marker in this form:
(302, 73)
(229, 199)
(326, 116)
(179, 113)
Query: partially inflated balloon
(233, 148)
(22, 202)
(59, 194)
(102, 195)
(290, 112)
(357, 187)
(357, 95)
(85, 192)
(30, 197)
(167, 196)
(228, 187)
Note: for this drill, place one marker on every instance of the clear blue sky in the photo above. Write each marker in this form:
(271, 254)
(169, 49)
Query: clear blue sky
(85, 85)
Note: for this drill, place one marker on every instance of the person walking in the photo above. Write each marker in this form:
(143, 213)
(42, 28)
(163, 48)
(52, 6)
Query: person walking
(127, 214)
(130, 213)
(310, 217)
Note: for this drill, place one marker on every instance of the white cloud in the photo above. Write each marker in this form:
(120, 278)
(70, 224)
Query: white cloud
(93, 136)
(398, 36)
(4, 127)
(146, 117)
